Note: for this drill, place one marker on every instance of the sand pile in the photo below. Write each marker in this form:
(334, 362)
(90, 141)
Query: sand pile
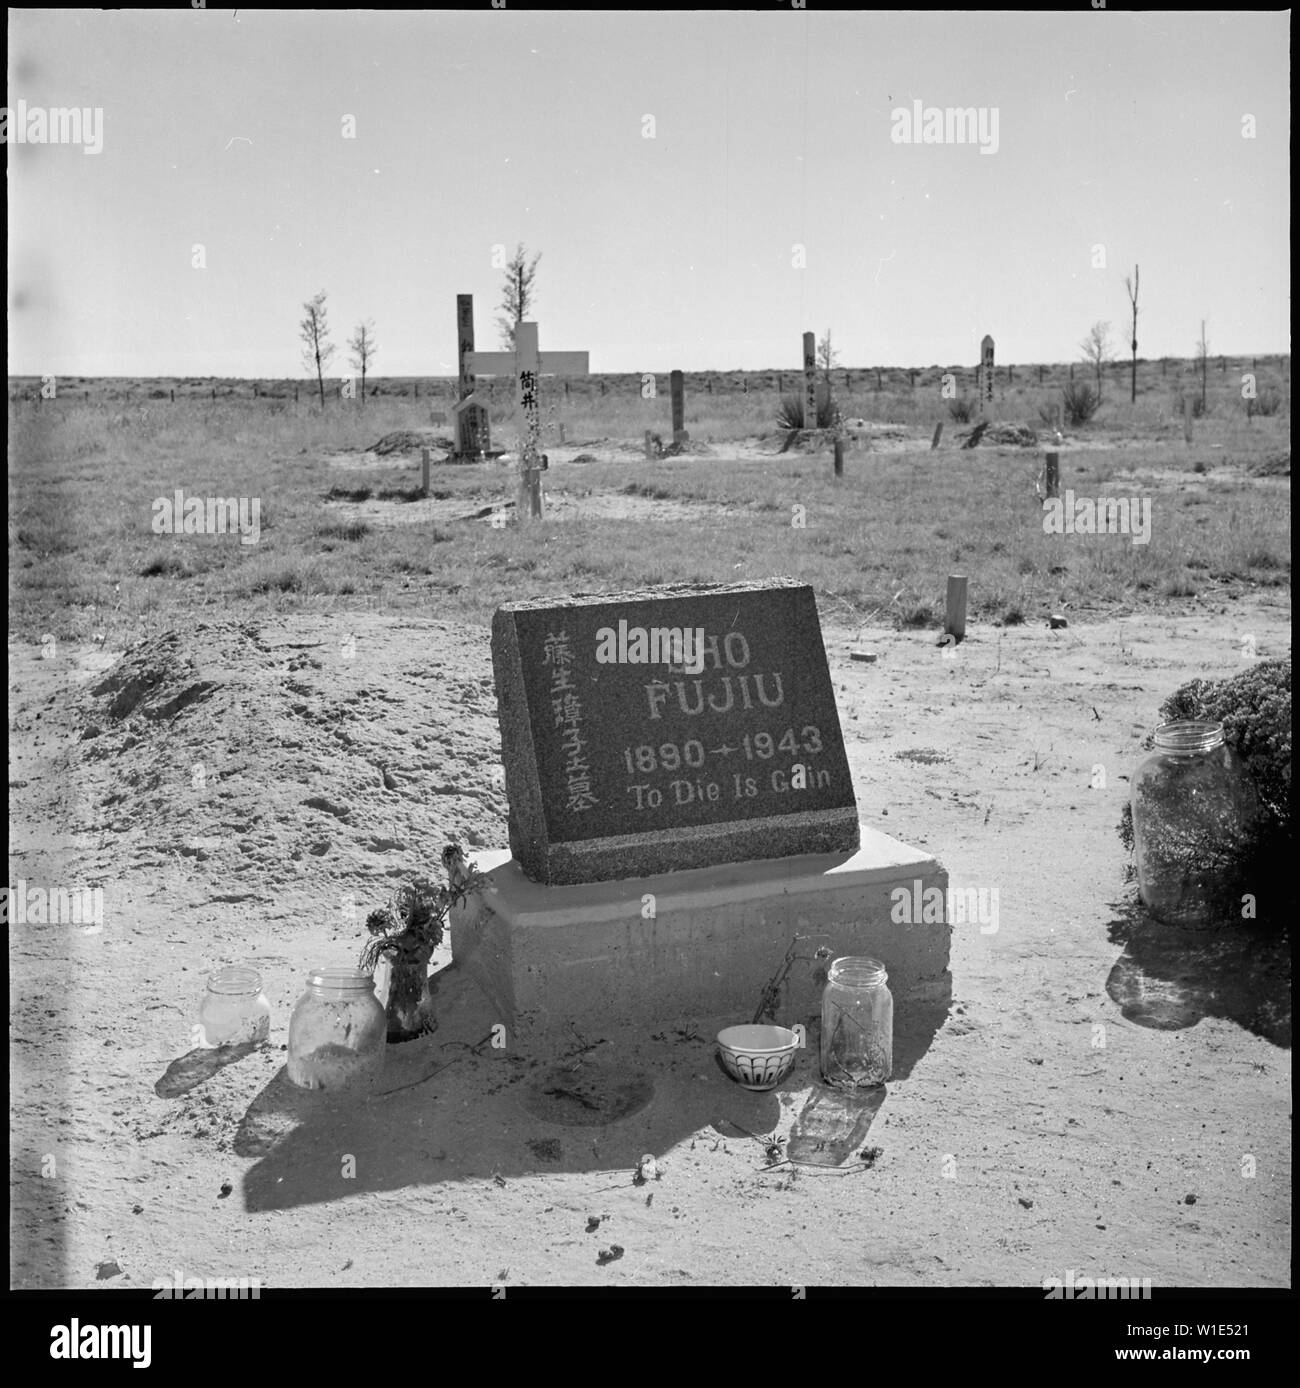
(411, 441)
(328, 753)
(1009, 436)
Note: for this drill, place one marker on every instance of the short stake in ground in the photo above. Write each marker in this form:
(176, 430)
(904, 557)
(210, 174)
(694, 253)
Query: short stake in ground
(1052, 475)
(954, 624)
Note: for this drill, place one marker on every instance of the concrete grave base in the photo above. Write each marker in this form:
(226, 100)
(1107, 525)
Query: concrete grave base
(698, 943)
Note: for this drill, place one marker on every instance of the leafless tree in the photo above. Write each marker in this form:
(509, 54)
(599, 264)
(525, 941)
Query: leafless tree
(1131, 285)
(317, 350)
(363, 348)
(827, 357)
(1096, 349)
(517, 296)
(1205, 355)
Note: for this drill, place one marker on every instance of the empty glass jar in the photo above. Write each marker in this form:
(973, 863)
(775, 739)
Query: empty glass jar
(337, 1032)
(857, 1042)
(1192, 808)
(234, 1010)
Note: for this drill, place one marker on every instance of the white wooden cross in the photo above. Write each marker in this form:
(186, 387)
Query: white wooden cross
(526, 364)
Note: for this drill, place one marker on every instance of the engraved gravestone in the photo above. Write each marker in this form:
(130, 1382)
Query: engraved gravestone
(683, 727)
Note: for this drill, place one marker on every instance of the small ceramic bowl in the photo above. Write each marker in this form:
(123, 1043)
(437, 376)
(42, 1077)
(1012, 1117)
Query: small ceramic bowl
(757, 1057)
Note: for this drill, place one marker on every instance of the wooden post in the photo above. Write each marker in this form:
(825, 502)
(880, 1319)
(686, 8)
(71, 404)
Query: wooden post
(877, 380)
(1060, 416)
(1040, 375)
(424, 471)
(938, 434)
(708, 384)
(561, 433)
(528, 366)
(677, 386)
(986, 375)
(173, 395)
(1052, 475)
(1187, 419)
(534, 477)
(839, 456)
(780, 383)
(295, 392)
(955, 619)
(472, 435)
(809, 381)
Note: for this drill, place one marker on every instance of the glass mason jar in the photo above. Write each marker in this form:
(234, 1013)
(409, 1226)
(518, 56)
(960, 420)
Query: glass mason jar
(857, 1041)
(234, 1010)
(337, 1032)
(1193, 804)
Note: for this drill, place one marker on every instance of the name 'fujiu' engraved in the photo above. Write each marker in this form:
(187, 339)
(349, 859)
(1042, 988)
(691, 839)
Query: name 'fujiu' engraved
(723, 694)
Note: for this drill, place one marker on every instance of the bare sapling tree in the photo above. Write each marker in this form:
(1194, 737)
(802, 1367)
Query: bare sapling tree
(362, 347)
(317, 349)
(517, 295)
(1205, 356)
(827, 357)
(1096, 349)
(1131, 285)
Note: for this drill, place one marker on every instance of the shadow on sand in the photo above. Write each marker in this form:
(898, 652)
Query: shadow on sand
(1169, 978)
(450, 1108)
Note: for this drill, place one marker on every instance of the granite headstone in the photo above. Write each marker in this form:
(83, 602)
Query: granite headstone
(682, 727)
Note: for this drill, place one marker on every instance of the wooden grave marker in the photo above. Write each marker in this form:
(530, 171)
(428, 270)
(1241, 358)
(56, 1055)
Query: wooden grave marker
(527, 365)
(473, 437)
(678, 388)
(809, 380)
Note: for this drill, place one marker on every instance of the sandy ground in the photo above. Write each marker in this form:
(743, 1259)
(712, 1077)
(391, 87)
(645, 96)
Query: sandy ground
(1101, 1097)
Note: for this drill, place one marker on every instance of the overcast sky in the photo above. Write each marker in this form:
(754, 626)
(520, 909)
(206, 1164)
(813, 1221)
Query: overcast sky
(1119, 139)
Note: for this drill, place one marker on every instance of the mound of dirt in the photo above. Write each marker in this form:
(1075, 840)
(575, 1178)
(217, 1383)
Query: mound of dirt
(155, 682)
(1273, 465)
(410, 441)
(873, 429)
(326, 755)
(1010, 436)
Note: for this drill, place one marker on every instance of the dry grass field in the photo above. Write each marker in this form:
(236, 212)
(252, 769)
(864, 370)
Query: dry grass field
(341, 526)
